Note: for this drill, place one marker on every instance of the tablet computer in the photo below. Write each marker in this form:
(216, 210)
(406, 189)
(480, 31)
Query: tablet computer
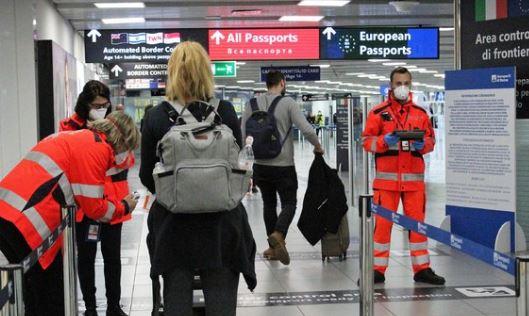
(417, 134)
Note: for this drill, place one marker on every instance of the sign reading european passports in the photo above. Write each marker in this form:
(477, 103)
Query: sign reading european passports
(391, 43)
(480, 140)
(140, 45)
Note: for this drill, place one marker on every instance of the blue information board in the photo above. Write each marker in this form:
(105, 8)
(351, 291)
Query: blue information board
(388, 43)
(294, 73)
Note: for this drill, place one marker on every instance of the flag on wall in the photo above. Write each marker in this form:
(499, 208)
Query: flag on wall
(487, 10)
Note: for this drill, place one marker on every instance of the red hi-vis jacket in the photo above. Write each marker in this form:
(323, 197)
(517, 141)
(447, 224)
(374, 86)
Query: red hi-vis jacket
(116, 184)
(64, 168)
(396, 169)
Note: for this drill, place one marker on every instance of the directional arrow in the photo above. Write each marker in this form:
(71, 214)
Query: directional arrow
(329, 31)
(94, 34)
(116, 70)
(217, 36)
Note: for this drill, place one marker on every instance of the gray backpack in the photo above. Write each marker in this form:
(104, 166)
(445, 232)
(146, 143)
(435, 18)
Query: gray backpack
(199, 171)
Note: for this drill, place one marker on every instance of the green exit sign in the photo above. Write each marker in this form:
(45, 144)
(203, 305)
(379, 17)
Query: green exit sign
(224, 69)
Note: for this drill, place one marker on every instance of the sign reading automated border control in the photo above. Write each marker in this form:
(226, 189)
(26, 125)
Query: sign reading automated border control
(133, 46)
(365, 43)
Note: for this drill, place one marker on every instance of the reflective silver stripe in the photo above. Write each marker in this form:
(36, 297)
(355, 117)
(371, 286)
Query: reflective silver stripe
(45, 162)
(54, 170)
(109, 214)
(88, 190)
(414, 246)
(412, 177)
(381, 247)
(66, 190)
(418, 260)
(16, 201)
(380, 261)
(374, 144)
(387, 176)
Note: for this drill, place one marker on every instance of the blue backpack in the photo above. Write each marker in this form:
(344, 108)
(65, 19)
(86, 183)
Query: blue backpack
(262, 126)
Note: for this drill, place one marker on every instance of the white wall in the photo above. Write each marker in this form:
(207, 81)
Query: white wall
(18, 111)
(52, 26)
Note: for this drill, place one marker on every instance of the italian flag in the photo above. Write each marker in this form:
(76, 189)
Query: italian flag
(491, 10)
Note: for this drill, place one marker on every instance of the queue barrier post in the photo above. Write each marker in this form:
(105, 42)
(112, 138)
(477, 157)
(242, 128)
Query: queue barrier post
(69, 263)
(366, 256)
(522, 285)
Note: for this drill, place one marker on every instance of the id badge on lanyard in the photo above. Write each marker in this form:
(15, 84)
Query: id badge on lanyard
(93, 233)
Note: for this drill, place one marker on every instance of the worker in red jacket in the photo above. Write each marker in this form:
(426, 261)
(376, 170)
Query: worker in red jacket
(63, 169)
(400, 172)
(94, 103)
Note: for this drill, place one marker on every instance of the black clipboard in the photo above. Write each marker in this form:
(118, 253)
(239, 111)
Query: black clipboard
(417, 134)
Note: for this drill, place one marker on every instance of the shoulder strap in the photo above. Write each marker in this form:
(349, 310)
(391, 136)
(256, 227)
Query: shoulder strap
(171, 112)
(388, 103)
(273, 106)
(253, 104)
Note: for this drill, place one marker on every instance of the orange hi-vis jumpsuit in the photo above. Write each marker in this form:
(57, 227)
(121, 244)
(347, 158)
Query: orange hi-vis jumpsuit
(64, 168)
(399, 175)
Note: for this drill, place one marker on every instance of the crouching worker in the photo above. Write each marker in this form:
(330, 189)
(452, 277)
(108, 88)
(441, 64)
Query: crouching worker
(64, 168)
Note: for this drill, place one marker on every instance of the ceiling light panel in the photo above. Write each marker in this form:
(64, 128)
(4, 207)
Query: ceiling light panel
(119, 5)
(323, 3)
(123, 20)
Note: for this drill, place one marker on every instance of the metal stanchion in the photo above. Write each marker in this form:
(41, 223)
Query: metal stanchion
(4, 277)
(15, 273)
(366, 256)
(69, 263)
(522, 285)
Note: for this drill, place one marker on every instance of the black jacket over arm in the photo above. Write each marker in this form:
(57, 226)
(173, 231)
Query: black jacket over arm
(324, 203)
(194, 241)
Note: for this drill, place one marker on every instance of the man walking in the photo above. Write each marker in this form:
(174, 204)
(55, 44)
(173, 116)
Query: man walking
(277, 175)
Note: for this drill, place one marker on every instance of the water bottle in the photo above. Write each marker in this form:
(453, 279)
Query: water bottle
(158, 168)
(246, 157)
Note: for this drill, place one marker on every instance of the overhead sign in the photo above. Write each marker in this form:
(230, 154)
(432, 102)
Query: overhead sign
(263, 44)
(366, 43)
(137, 70)
(294, 73)
(315, 97)
(224, 69)
(128, 46)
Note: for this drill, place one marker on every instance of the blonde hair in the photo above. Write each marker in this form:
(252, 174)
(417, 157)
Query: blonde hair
(189, 76)
(120, 129)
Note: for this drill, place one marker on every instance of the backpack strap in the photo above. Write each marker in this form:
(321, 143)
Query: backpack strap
(253, 104)
(271, 111)
(171, 112)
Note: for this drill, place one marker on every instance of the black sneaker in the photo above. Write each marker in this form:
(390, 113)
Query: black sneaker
(115, 311)
(379, 277)
(90, 312)
(428, 276)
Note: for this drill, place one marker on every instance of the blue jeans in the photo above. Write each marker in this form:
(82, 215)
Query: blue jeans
(219, 287)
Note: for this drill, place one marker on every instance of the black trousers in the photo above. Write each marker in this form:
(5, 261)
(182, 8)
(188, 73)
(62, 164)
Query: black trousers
(272, 181)
(86, 255)
(42, 289)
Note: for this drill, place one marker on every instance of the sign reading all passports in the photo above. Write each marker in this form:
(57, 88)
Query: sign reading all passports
(263, 44)
(130, 46)
(365, 43)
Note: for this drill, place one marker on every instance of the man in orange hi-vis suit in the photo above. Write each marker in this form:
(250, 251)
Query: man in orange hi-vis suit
(400, 172)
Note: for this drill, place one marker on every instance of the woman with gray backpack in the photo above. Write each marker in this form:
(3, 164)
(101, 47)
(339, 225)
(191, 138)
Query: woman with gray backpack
(197, 225)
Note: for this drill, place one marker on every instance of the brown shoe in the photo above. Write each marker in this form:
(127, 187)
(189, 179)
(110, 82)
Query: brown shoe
(277, 242)
(269, 254)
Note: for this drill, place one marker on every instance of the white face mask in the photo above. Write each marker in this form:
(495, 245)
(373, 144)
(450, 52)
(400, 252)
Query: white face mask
(97, 114)
(401, 93)
(121, 157)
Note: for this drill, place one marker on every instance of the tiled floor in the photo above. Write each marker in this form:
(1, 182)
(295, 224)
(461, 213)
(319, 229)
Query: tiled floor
(309, 275)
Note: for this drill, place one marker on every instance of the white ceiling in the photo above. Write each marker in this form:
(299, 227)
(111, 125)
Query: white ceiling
(217, 14)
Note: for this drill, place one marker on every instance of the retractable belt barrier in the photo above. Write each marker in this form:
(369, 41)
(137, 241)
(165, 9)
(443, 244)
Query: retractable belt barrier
(467, 246)
(12, 290)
